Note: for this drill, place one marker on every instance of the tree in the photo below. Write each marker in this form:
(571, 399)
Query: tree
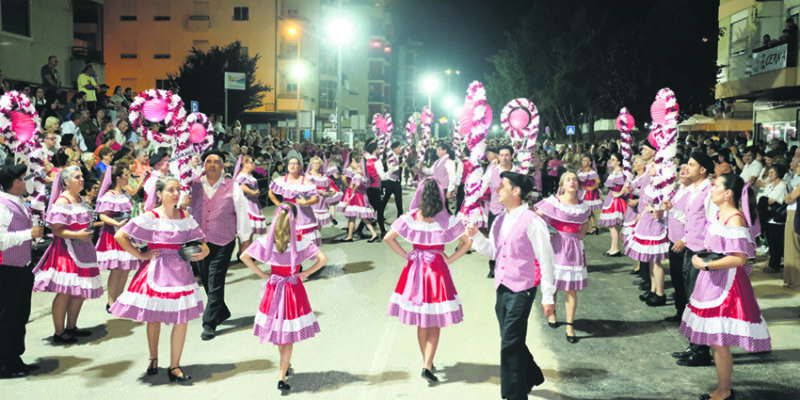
(201, 78)
(572, 57)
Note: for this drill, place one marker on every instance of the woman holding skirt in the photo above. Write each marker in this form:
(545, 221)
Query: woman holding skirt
(425, 295)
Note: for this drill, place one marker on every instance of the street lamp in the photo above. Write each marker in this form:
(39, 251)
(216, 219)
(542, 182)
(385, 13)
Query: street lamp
(299, 72)
(450, 72)
(429, 85)
(340, 31)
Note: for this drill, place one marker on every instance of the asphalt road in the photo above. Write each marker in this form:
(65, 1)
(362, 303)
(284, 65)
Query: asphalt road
(361, 353)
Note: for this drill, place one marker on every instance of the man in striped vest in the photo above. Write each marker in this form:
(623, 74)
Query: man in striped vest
(520, 243)
(16, 276)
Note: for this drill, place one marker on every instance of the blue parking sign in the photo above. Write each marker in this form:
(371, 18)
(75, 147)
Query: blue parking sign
(570, 129)
(195, 106)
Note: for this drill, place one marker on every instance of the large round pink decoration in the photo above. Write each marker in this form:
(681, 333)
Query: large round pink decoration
(658, 111)
(519, 118)
(426, 117)
(197, 133)
(155, 110)
(626, 123)
(22, 125)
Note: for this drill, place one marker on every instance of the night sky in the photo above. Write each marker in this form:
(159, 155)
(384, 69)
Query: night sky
(457, 34)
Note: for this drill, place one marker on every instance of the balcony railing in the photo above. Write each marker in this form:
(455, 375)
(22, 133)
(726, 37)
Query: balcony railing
(199, 23)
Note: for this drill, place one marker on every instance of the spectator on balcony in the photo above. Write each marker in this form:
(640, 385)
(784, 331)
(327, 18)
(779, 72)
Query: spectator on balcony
(50, 81)
(766, 42)
(88, 86)
(39, 102)
(118, 99)
(128, 93)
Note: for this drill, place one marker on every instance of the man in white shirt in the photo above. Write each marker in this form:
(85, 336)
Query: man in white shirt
(751, 168)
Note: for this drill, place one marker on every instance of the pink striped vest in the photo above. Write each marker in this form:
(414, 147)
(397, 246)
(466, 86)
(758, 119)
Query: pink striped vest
(516, 266)
(20, 255)
(440, 172)
(217, 215)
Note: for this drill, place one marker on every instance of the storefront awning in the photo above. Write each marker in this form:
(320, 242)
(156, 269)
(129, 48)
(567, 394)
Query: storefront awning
(701, 123)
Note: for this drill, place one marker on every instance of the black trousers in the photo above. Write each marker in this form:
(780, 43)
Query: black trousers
(491, 222)
(16, 284)
(644, 271)
(775, 234)
(374, 198)
(392, 188)
(459, 198)
(212, 271)
(676, 275)
(518, 371)
(690, 273)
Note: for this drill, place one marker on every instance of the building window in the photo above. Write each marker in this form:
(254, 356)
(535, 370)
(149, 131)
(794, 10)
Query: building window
(201, 45)
(292, 12)
(128, 49)
(241, 13)
(162, 84)
(127, 56)
(16, 17)
(162, 11)
(161, 56)
(127, 18)
(291, 87)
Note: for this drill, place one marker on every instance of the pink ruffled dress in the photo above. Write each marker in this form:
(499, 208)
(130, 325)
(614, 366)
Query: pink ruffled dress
(110, 255)
(591, 198)
(614, 208)
(629, 224)
(649, 242)
(570, 259)
(358, 207)
(321, 211)
(307, 226)
(69, 266)
(164, 289)
(257, 220)
(348, 193)
(723, 310)
(425, 295)
(284, 315)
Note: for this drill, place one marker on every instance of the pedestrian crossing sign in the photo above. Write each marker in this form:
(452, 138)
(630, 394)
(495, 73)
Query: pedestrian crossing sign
(570, 129)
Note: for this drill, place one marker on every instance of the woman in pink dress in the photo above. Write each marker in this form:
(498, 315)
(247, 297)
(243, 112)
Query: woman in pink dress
(114, 206)
(164, 289)
(590, 192)
(249, 186)
(347, 175)
(325, 188)
(297, 189)
(358, 206)
(569, 215)
(615, 205)
(284, 315)
(68, 267)
(425, 295)
(723, 310)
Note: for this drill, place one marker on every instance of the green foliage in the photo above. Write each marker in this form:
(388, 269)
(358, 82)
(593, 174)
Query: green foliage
(201, 78)
(572, 57)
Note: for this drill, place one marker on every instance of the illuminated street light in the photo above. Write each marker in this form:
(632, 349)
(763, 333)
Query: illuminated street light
(429, 85)
(340, 31)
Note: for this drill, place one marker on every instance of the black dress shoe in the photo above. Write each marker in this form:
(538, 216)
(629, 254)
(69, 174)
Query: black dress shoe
(108, 308)
(62, 339)
(427, 374)
(283, 386)
(334, 222)
(634, 272)
(656, 301)
(9, 372)
(152, 367)
(571, 339)
(646, 295)
(208, 333)
(75, 332)
(553, 325)
(617, 254)
(491, 275)
(696, 360)
(683, 354)
(373, 240)
(346, 240)
(182, 378)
